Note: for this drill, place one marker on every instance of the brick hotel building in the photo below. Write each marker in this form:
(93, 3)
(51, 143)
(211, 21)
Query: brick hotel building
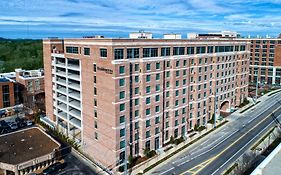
(158, 87)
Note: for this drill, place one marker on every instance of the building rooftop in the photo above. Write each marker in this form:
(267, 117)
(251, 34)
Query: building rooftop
(25, 145)
(271, 164)
(4, 80)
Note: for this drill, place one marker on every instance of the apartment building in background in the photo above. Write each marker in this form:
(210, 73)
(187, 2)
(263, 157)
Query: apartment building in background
(33, 88)
(100, 90)
(265, 61)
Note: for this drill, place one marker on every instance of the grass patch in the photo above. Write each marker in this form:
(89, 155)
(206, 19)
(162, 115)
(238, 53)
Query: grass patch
(262, 139)
(182, 148)
(244, 110)
(230, 169)
(274, 92)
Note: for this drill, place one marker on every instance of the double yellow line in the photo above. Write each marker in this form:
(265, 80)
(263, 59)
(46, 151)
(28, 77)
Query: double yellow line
(198, 168)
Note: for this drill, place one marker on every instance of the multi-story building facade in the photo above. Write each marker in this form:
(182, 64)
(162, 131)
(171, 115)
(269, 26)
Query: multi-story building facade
(33, 88)
(265, 61)
(101, 90)
(7, 94)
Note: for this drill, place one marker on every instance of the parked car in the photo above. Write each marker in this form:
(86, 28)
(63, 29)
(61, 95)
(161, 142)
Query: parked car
(2, 113)
(54, 168)
(29, 123)
(13, 125)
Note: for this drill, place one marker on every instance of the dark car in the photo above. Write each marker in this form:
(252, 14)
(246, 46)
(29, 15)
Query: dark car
(54, 168)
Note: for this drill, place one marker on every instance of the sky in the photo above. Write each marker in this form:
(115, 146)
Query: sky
(117, 18)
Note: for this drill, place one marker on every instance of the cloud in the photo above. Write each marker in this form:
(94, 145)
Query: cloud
(182, 16)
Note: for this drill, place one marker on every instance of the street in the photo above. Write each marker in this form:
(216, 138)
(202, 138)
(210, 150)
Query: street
(212, 154)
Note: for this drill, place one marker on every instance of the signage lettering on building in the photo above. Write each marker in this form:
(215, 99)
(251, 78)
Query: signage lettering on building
(108, 71)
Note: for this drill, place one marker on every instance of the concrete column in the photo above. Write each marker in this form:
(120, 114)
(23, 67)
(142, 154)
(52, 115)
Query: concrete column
(274, 75)
(16, 172)
(21, 172)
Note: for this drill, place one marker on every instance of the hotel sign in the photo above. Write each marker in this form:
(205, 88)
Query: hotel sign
(108, 71)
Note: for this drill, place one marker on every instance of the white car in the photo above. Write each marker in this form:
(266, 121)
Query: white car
(29, 123)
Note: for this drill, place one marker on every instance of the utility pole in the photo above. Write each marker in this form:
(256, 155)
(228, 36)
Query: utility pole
(257, 86)
(215, 107)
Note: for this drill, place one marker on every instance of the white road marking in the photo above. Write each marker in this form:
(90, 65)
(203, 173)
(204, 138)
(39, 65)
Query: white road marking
(209, 149)
(242, 148)
(167, 170)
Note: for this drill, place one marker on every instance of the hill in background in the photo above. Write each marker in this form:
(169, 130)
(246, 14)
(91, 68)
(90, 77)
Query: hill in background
(26, 54)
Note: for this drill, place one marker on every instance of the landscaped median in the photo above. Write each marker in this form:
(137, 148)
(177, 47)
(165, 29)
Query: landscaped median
(153, 162)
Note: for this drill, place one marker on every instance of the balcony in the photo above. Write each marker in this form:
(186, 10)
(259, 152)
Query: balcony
(62, 115)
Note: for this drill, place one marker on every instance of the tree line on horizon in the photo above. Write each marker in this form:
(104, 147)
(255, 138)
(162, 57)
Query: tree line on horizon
(20, 53)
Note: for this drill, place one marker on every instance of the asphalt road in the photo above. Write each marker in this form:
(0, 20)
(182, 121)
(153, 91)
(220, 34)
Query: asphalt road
(213, 154)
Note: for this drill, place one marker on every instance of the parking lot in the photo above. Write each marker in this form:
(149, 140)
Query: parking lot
(76, 167)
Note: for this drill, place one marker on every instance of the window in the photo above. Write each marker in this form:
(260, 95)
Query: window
(122, 119)
(133, 53)
(95, 91)
(165, 51)
(122, 132)
(96, 136)
(122, 144)
(158, 76)
(157, 98)
(157, 109)
(122, 107)
(96, 125)
(118, 54)
(136, 78)
(121, 82)
(148, 89)
(136, 102)
(137, 125)
(103, 53)
(157, 66)
(122, 95)
(147, 78)
(95, 114)
(70, 49)
(168, 74)
(95, 68)
(157, 130)
(148, 66)
(147, 100)
(177, 73)
(147, 134)
(190, 50)
(200, 49)
(210, 49)
(137, 90)
(86, 51)
(137, 67)
(178, 51)
(136, 113)
(121, 69)
(157, 120)
(157, 87)
(147, 111)
(147, 123)
(150, 52)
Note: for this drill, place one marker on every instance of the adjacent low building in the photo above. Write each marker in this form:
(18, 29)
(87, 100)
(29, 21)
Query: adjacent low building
(27, 150)
(7, 93)
(112, 95)
(33, 88)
